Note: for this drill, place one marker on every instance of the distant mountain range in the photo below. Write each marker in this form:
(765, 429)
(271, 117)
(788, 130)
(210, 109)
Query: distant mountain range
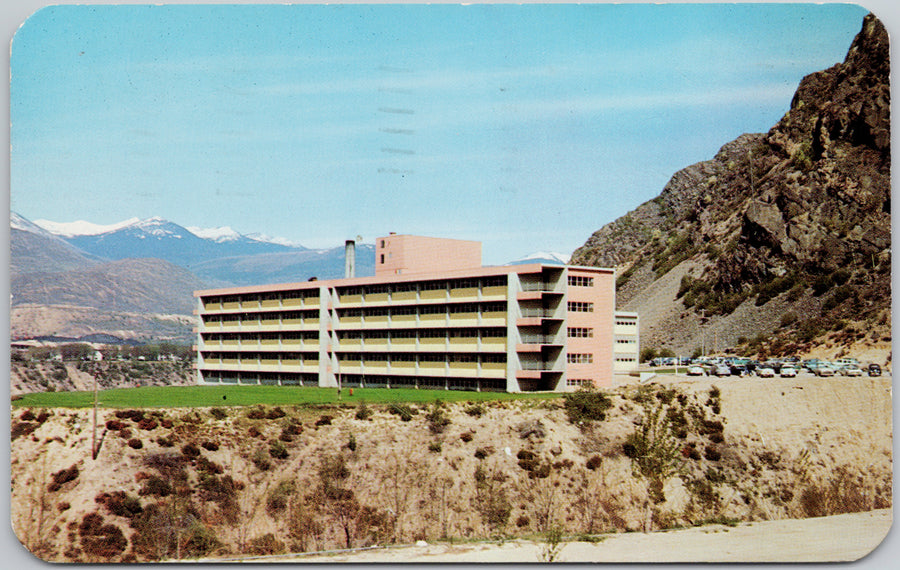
(152, 266)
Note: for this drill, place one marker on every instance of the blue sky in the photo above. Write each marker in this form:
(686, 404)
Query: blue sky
(526, 127)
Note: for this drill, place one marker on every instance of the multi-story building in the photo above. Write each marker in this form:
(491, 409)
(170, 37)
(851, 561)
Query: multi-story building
(431, 317)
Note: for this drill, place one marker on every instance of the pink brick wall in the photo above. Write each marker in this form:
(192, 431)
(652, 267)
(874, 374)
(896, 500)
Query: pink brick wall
(407, 254)
(601, 320)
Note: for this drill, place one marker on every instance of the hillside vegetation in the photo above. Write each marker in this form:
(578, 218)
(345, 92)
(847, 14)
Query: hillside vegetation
(781, 242)
(221, 481)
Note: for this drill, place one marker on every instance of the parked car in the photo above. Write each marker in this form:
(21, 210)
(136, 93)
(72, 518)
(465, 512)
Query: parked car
(851, 370)
(696, 371)
(824, 370)
(722, 370)
(765, 372)
(788, 372)
(738, 369)
(874, 370)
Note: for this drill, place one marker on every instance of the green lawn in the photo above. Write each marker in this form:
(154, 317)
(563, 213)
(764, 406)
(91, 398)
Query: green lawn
(203, 396)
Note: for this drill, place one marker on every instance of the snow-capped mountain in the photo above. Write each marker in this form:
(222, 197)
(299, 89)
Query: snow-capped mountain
(81, 228)
(542, 257)
(160, 238)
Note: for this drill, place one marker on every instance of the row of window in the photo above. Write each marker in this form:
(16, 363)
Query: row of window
(581, 332)
(578, 382)
(580, 281)
(271, 296)
(495, 332)
(579, 358)
(453, 308)
(412, 357)
(470, 283)
(580, 307)
(256, 317)
(254, 356)
(630, 323)
(258, 337)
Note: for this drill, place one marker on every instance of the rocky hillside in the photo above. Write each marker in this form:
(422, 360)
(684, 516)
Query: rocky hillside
(220, 482)
(781, 242)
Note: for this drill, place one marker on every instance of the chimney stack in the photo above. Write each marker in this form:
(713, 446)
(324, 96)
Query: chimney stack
(350, 259)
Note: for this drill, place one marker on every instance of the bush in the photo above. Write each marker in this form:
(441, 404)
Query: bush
(147, 424)
(157, 486)
(363, 412)
(277, 449)
(586, 405)
(277, 500)
(275, 413)
(210, 445)
(405, 412)
(475, 410)
(135, 443)
(594, 462)
(324, 420)
(218, 413)
(261, 459)
(258, 413)
(265, 545)
(101, 540)
(190, 451)
(483, 452)
(466, 436)
(61, 477)
(437, 418)
(434, 447)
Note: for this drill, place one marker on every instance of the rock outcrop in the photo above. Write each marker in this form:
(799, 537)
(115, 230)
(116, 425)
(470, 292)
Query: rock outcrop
(802, 208)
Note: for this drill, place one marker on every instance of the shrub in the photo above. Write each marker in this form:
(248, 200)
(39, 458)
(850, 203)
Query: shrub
(120, 503)
(434, 447)
(475, 410)
(594, 462)
(405, 412)
(101, 540)
(712, 453)
(63, 506)
(277, 449)
(324, 420)
(114, 425)
(522, 521)
(147, 424)
(351, 442)
(135, 443)
(157, 486)
(265, 545)
(277, 499)
(483, 452)
(466, 436)
(261, 459)
(363, 412)
(257, 413)
(165, 441)
(586, 405)
(437, 418)
(210, 445)
(190, 451)
(275, 413)
(61, 477)
(218, 413)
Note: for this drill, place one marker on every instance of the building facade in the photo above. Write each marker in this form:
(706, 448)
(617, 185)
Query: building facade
(466, 327)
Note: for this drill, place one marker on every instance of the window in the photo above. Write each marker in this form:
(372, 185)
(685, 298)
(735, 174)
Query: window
(497, 281)
(432, 309)
(493, 358)
(382, 258)
(411, 310)
(580, 281)
(581, 332)
(578, 382)
(495, 307)
(433, 285)
(579, 358)
(493, 333)
(462, 358)
(382, 244)
(626, 323)
(581, 307)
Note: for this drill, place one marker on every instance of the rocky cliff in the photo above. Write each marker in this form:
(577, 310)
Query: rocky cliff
(781, 242)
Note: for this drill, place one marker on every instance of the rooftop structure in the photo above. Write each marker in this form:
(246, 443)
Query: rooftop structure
(431, 317)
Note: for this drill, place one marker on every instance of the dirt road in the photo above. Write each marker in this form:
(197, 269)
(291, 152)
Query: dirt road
(827, 539)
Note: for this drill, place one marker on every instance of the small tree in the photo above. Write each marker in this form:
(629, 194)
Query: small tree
(655, 453)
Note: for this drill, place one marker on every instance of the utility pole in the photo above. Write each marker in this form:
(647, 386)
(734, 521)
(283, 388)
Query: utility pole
(96, 369)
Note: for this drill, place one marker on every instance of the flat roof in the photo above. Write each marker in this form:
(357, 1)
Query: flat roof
(403, 278)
